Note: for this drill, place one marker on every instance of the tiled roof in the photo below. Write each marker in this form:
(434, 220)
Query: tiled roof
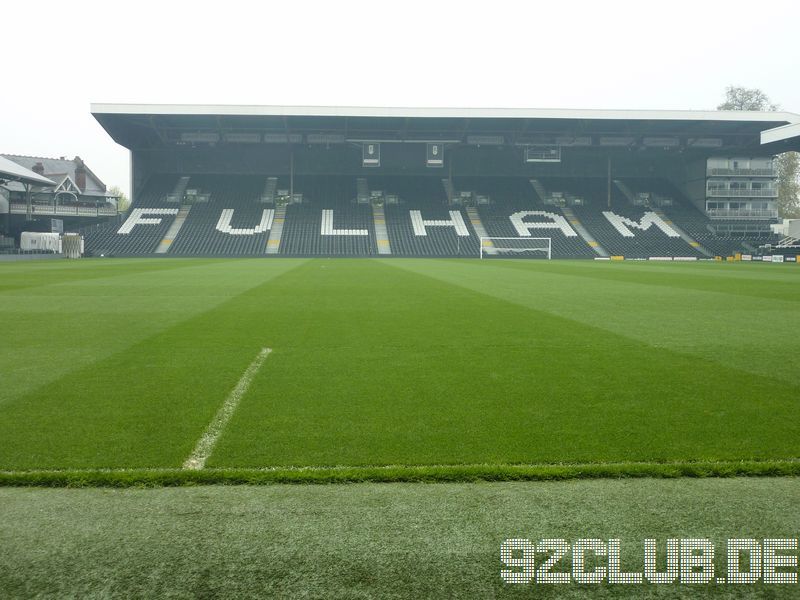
(56, 169)
(10, 170)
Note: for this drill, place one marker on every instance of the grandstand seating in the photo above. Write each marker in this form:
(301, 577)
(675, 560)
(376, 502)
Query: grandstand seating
(302, 232)
(427, 196)
(200, 234)
(232, 215)
(686, 216)
(511, 195)
(7, 245)
(104, 238)
(600, 220)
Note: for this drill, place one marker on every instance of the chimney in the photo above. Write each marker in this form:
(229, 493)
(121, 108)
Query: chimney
(38, 168)
(80, 174)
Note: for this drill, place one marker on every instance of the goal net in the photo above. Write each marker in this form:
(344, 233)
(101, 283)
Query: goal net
(516, 247)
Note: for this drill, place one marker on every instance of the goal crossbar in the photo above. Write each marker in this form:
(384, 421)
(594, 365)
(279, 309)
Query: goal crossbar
(495, 245)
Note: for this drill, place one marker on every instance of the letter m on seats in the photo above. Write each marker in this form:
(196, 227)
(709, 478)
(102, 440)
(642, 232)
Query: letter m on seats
(623, 224)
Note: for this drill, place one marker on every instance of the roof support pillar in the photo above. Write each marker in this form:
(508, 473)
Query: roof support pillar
(450, 168)
(28, 207)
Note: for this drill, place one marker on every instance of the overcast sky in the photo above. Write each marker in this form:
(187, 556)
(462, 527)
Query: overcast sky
(60, 56)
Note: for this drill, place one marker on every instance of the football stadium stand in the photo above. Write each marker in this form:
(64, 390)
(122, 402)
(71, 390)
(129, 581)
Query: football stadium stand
(292, 181)
(230, 221)
(514, 209)
(624, 229)
(326, 219)
(420, 222)
(145, 225)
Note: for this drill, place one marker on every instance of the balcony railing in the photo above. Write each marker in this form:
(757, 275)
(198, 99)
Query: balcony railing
(718, 171)
(740, 193)
(64, 211)
(742, 213)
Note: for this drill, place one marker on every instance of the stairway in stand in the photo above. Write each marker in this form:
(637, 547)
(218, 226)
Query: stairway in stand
(583, 232)
(480, 230)
(172, 232)
(274, 241)
(381, 234)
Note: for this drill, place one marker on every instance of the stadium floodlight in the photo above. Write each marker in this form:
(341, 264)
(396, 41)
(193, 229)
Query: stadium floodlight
(515, 246)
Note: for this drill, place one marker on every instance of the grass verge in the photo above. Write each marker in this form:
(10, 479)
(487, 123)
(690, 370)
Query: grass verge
(121, 478)
(371, 540)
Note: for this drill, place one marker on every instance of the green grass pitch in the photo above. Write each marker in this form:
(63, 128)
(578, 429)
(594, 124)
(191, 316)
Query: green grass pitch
(397, 369)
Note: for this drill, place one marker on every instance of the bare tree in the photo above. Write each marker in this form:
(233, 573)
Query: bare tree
(788, 163)
(742, 98)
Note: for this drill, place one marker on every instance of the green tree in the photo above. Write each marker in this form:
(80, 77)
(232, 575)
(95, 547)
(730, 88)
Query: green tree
(787, 164)
(122, 200)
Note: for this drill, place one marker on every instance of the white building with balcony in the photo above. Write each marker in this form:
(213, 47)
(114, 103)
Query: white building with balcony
(741, 188)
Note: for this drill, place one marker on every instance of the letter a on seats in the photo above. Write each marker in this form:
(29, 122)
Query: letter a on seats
(556, 222)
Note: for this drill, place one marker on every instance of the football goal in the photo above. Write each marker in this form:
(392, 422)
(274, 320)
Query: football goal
(516, 247)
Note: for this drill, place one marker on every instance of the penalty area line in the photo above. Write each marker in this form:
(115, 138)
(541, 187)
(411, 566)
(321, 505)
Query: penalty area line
(205, 445)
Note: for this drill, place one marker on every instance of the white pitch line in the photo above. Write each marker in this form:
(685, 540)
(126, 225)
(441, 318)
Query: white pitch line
(205, 445)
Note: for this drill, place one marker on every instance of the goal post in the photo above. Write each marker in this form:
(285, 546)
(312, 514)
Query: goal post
(516, 246)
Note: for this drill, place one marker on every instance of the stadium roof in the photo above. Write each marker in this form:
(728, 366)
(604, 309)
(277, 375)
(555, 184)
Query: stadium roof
(410, 112)
(786, 133)
(152, 125)
(11, 171)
